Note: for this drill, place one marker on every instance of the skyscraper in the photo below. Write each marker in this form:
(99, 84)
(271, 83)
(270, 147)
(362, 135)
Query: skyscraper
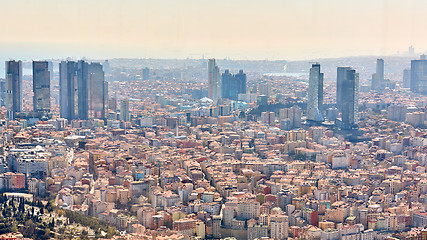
(407, 78)
(3, 91)
(241, 81)
(315, 94)
(146, 73)
(41, 86)
(348, 98)
(83, 90)
(232, 85)
(341, 75)
(14, 88)
(68, 89)
(50, 68)
(214, 81)
(419, 76)
(264, 89)
(107, 71)
(124, 111)
(97, 91)
(378, 82)
(227, 80)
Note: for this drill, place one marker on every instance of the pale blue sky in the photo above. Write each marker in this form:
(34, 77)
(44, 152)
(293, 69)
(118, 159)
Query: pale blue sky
(238, 29)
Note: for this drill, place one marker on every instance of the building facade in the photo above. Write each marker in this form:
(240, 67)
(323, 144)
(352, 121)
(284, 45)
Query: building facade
(214, 80)
(98, 91)
(41, 86)
(315, 94)
(14, 88)
(418, 81)
(378, 82)
(68, 89)
(348, 96)
(83, 90)
(232, 85)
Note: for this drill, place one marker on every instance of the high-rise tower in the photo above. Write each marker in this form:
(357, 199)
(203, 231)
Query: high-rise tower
(97, 91)
(14, 88)
(68, 89)
(124, 111)
(83, 90)
(214, 80)
(341, 75)
(241, 81)
(315, 94)
(418, 82)
(378, 82)
(145, 73)
(41, 86)
(232, 85)
(348, 97)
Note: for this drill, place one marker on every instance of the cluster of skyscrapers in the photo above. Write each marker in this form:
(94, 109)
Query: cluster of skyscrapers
(83, 89)
(347, 96)
(41, 87)
(226, 85)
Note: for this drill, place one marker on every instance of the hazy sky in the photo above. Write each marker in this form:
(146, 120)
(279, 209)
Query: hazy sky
(237, 29)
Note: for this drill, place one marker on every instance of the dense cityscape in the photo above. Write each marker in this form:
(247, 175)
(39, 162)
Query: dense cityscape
(193, 120)
(214, 149)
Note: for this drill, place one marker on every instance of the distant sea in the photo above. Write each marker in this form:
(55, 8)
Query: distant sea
(27, 71)
(286, 74)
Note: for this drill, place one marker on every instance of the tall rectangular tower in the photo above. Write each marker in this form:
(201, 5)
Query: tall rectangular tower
(3, 92)
(68, 89)
(406, 78)
(124, 111)
(214, 80)
(241, 81)
(227, 80)
(315, 94)
(97, 91)
(83, 90)
(380, 69)
(418, 82)
(145, 73)
(378, 82)
(341, 75)
(349, 98)
(41, 86)
(14, 88)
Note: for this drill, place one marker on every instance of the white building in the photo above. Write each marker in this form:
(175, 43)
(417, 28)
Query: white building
(279, 225)
(340, 160)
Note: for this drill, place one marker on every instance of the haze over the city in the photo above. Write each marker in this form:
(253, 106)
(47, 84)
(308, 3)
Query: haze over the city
(237, 29)
(234, 120)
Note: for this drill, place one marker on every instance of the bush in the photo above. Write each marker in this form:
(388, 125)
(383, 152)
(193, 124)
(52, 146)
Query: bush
(91, 222)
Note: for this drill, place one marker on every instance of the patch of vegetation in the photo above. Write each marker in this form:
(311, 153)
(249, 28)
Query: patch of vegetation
(38, 221)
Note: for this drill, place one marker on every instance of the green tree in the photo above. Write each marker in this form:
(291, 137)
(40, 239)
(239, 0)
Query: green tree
(47, 234)
(28, 229)
(61, 230)
(52, 224)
